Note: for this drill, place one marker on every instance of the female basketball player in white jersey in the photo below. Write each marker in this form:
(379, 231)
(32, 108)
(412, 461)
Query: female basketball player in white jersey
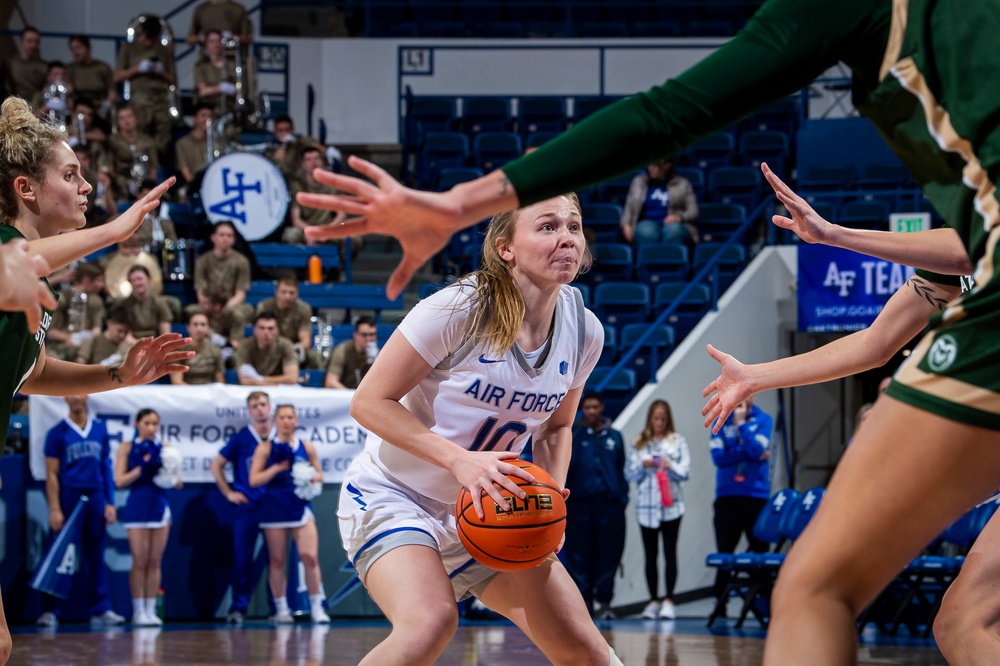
(471, 374)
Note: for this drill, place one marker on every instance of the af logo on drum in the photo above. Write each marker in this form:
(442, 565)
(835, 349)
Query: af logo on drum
(246, 189)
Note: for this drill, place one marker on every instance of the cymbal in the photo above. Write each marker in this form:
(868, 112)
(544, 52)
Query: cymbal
(117, 269)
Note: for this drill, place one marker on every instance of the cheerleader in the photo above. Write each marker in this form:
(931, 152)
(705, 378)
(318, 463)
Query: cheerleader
(289, 468)
(147, 467)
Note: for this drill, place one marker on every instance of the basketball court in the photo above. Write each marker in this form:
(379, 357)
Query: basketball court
(686, 642)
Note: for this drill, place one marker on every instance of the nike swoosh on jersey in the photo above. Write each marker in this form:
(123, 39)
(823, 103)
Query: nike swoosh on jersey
(483, 359)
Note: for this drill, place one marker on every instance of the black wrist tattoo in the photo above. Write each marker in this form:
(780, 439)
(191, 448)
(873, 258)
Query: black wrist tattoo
(924, 289)
(115, 375)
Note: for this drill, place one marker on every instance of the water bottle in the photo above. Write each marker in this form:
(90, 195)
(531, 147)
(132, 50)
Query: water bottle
(183, 272)
(159, 604)
(76, 313)
(315, 269)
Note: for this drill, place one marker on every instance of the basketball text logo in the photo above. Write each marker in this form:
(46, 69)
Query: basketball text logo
(523, 507)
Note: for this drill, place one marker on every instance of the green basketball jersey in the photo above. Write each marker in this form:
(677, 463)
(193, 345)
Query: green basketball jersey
(19, 349)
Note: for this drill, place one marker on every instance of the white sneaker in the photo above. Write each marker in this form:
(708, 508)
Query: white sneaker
(145, 620)
(284, 618)
(319, 616)
(108, 618)
(668, 611)
(48, 619)
(651, 611)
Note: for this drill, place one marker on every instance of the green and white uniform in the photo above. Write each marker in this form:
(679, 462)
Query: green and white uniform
(19, 349)
(925, 74)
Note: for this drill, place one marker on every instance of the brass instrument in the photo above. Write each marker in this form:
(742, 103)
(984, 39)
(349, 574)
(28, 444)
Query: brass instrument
(55, 98)
(166, 38)
(139, 171)
(117, 270)
(250, 106)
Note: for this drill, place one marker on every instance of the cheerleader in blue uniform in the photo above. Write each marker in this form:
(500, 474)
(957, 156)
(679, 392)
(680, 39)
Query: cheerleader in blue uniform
(289, 468)
(146, 516)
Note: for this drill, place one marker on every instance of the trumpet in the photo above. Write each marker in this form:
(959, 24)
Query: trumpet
(55, 99)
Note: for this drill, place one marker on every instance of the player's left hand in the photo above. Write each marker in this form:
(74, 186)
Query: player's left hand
(151, 358)
(726, 391)
(483, 471)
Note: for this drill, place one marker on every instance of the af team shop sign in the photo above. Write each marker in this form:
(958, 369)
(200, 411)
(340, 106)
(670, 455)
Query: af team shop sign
(199, 419)
(842, 291)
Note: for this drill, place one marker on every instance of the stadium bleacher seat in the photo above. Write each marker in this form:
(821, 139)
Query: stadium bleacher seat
(620, 388)
(289, 257)
(653, 351)
(485, 114)
(769, 146)
(731, 262)
(441, 150)
(712, 152)
(540, 114)
(612, 261)
(865, 215)
(662, 262)
(735, 185)
(689, 310)
(718, 221)
(604, 219)
(491, 150)
(620, 303)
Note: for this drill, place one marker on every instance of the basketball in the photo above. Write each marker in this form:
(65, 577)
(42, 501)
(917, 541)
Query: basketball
(521, 537)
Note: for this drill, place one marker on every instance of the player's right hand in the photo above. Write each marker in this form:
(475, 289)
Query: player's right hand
(483, 471)
(725, 392)
(805, 222)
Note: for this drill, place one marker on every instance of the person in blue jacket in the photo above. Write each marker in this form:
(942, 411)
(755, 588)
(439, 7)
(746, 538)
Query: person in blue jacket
(238, 451)
(78, 464)
(741, 453)
(595, 514)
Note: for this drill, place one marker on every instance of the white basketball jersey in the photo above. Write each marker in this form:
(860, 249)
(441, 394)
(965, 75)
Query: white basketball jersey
(480, 401)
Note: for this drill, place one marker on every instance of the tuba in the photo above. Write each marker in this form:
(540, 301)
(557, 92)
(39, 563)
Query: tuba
(166, 38)
(250, 106)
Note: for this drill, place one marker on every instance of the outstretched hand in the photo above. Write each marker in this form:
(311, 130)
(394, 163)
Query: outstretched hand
(20, 288)
(421, 221)
(726, 391)
(151, 358)
(125, 224)
(805, 222)
(480, 470)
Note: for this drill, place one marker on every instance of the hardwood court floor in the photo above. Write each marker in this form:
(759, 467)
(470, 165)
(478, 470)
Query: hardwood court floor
(641, 643)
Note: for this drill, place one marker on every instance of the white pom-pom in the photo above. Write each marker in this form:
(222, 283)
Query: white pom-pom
(303, 474)
(169, 475)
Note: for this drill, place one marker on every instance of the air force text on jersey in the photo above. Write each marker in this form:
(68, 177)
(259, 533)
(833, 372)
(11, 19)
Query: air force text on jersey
(507, 399)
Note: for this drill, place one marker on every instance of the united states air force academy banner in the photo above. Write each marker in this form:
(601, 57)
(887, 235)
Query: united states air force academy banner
(199, 419)
(841, 291)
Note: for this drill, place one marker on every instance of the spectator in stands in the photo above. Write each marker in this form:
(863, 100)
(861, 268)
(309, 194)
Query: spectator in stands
(351, 360)
(148, 66)
(238, 452)
(225, 267)
(79, 314)
(192, 148)
(149, 314)
(286, 511)
(228, 324)
(101, 204)
(146, 515)
(77, 465)
(94, 138)
(741, 453)
(294, 319)
(48, 103)
(90, 78)
(660, 207)
(215, 75)
(110, 347)
(134, 154)
(223, 16)
(266, 358)
(24, 72)
(147, 234)
(207, 366)
(659, 462)
(289, 147)
(595, 519)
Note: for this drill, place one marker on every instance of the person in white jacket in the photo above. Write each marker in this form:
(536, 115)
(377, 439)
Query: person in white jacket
(659, 462)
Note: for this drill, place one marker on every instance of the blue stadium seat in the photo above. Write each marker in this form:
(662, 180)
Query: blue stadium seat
(620, 303)
(732, 260)
(616, 190)
(604, 219)
(689, 311)
(718, 221)
(885, 177)
(782, 116)
(428, 114)
(485, 114)
(441, 150)
(696, 177)
(620, 388)
(584, 292)
(865, 215)
(826, 183)
(452, 176)
(609, 352)
(662, 262)
(312, 378)
(540, 114)
(491, 150)
(712, 152)
(283, 256)
(537, 139)
(735, 185)
(765, 146)
(645, 362)
(585, 106)
(612, 261)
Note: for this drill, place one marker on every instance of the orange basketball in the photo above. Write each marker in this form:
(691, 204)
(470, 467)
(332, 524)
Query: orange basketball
(522, 537)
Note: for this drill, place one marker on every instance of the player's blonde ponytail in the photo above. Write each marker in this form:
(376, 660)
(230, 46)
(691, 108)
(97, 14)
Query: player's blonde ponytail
(27, 146)
(498, 302)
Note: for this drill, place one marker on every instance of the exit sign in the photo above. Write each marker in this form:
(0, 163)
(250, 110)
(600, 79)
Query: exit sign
(909, 221)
